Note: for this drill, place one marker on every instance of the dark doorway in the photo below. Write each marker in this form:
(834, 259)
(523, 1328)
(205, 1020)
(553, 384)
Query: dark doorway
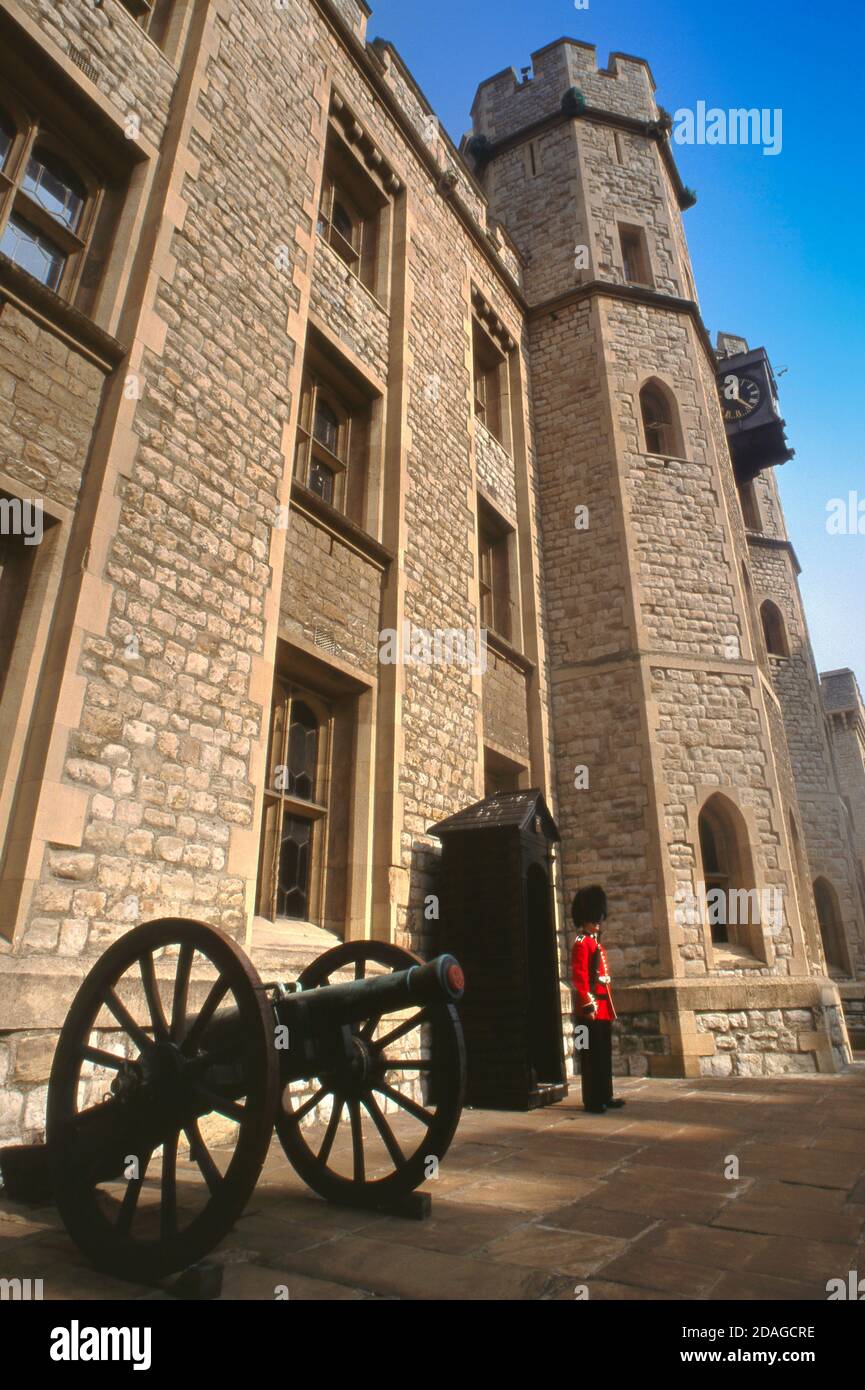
(544, 1040)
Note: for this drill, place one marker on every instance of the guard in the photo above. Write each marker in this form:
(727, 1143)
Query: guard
(594, 1002)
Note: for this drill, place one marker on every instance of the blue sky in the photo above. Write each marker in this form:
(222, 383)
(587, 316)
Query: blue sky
(777, 242)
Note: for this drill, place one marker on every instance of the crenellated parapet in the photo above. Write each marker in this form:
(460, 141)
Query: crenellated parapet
(506, 103)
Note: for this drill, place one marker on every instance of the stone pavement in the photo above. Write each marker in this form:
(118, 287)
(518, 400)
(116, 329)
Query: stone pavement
(633, 1204)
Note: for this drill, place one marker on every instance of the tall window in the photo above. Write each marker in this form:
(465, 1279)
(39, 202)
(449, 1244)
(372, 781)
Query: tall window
(635, 255)
(490, 384)
(152, 15)
(732, 903)
(713, 847)
(774, 631)
(750, 507)
(831, 928)
(496, 596)
(349, 214)
(16, 565)
(294, 812)
(7, 136)
(660, 426)
(321, 460)
(47, 206)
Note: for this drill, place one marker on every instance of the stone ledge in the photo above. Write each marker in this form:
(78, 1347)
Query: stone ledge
(720, 995)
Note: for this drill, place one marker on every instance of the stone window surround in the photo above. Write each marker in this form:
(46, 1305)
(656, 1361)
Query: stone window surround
(15, 201)
(93, 132)
(626, 232)
(327, 358)
(352, 698)
(660, 382)
(350, 154)
(494, 336)
(759, 946)
(19, 699)
(783, 632)
(316, 810)
(491, 522)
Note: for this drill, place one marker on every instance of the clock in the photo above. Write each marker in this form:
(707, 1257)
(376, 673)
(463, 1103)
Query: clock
(740, 395)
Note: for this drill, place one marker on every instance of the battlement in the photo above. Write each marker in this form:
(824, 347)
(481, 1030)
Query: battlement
(356, 13)
(841, 692)
(505, 103)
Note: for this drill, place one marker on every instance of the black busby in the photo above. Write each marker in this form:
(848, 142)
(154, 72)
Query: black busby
(589, 905)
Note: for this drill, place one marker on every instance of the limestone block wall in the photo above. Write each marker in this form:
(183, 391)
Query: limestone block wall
(49, 397)
(495, 469)
(331, 595)
(825, 819)
(533, 187)
(349, 309)
(846, 720)
(123, 63)
(504, 707)
(504, 104)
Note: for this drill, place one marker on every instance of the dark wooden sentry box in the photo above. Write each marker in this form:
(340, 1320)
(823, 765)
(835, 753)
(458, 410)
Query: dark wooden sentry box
(496, 916)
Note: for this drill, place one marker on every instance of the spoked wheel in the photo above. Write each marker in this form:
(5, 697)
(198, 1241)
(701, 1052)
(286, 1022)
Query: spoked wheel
(401, 1094)
(162, 1099)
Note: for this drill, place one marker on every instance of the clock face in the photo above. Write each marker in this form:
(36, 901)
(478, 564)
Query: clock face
(740, 396)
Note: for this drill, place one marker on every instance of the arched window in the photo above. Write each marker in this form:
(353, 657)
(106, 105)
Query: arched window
(7, 136)
(774, 631)
(55, 186)
(660, 423)
(732, 903)
(831, 927)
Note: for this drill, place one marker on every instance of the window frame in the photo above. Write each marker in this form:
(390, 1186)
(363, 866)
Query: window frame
(633, 239)
(673, 437)
(309, 448)
(280, 804)
(490, 365)
(496, 573)
(347, 181)
(32, 133)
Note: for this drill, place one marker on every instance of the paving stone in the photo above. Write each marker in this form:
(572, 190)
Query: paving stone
(804, 1260)
(788, 1221)
(692, 1244)
(252, 1281)
(586, 1216)
(668, 1276)
(559, 1252)
(408, 1272)
(744, 1286)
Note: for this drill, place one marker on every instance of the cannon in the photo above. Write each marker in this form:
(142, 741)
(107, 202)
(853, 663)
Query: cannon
(175, 1063)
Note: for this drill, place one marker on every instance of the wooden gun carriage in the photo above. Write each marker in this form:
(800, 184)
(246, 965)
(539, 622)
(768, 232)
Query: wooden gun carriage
(175, 1063)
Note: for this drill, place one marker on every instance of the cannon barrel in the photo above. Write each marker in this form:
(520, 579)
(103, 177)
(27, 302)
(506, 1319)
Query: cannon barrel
(438, 981)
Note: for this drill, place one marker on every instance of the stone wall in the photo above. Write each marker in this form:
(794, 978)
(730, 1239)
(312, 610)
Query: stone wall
(49, 396)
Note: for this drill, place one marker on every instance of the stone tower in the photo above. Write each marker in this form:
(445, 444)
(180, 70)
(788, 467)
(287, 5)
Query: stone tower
(673, 774)
(824, 841)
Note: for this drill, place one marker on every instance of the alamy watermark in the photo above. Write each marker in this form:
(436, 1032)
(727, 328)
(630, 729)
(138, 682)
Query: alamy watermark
(443, 646)
(846, 515)
(710, 125)
(735, 907)
(22, 517)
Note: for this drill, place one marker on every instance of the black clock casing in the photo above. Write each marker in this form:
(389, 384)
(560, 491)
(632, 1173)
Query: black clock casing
(749, 404)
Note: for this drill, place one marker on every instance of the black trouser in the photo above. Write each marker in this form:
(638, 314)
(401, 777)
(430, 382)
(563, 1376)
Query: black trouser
(596, 1064)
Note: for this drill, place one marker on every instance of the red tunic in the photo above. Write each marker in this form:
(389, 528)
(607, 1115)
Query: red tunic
(591, 977)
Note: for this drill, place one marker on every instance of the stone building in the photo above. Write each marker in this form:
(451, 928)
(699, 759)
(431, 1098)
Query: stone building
(347, 477)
